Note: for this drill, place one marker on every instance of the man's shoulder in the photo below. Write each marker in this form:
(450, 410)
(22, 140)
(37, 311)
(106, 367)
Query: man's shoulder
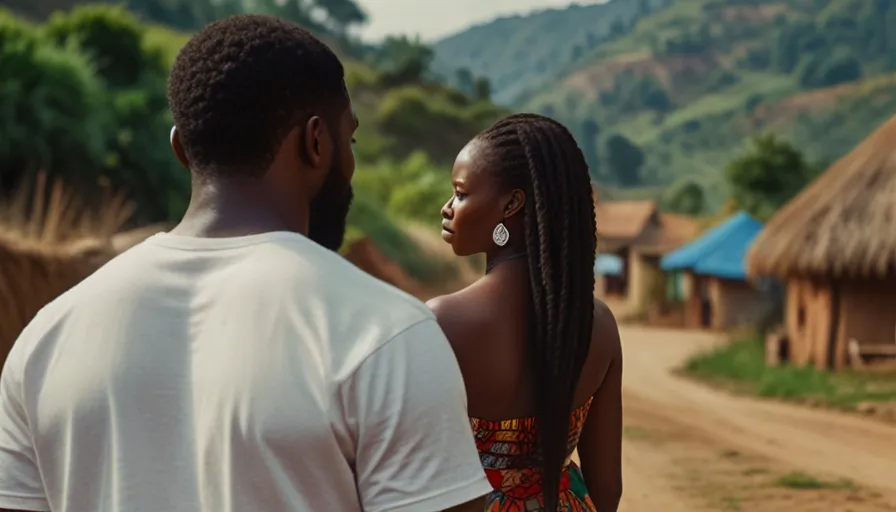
(350, 287)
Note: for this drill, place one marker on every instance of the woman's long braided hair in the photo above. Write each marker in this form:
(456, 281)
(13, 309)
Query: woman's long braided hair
(540, 156)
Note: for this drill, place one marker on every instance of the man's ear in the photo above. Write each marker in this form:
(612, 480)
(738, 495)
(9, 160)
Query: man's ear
(516, 203)
(313, 141)
(178, 148)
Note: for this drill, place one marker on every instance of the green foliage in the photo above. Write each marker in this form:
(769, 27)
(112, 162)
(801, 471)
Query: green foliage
(632, 93)
(368, 216)
(483, 89)
(587, 138)
(767, 177)
(689, 82)
(741, 366)
(687, 197)
(403, 61)
(519, 54)
(329, 17)
(133, 75)
(52, 115)
(83, 96)
(410, 116)
(111, 37)
(413, 189)
(623, 161)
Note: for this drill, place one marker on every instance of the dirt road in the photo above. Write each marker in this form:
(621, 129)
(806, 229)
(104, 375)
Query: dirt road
(690, 448)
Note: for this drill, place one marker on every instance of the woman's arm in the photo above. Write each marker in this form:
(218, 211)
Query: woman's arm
(600, 447)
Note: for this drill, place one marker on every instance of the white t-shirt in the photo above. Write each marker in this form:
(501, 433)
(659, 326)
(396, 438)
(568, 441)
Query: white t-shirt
(259, 373)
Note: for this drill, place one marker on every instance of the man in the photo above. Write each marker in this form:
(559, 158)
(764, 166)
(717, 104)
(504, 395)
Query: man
(236, 364)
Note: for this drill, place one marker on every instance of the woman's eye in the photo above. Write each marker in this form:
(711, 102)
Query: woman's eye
(459, 195)
(354, 140)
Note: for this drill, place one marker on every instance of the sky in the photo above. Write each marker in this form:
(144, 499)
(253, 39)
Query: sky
(433, 19)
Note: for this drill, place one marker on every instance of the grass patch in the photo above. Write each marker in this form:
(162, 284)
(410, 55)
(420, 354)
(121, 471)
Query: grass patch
(740, 366)
(755, 471)
(632, 432)
(731, 503)
(797, 480)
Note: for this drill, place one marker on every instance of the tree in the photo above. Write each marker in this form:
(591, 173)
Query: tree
(403, 60)
(589, 132)
(482, 90)
(341, 15)
(769, 175)
(623, 160)
(111, 36)
(688, 198)
(52, 115)
(464, 80)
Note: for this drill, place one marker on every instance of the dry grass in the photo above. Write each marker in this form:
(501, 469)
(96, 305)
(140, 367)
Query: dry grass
(49, 241)
(842, 224)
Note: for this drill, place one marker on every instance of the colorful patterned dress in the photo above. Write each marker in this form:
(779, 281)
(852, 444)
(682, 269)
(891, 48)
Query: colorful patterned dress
(507, 451)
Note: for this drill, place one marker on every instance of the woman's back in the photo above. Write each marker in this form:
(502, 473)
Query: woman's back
(486, 326)
(532, 344)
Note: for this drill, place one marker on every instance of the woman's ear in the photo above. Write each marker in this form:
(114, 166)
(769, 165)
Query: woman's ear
(515, 203)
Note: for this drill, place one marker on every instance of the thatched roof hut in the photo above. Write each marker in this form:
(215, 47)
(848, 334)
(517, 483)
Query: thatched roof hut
(49, 241)
(835, 246)
(841, 225)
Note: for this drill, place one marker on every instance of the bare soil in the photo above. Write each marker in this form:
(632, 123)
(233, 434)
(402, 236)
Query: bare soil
(691, 448)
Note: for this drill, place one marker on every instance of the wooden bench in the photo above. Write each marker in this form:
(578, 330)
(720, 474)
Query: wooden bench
(859, 352)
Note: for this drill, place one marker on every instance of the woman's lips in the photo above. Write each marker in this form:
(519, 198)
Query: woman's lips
(447, 233)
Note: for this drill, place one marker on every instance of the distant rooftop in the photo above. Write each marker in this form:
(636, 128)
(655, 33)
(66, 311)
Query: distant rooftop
(720, 252)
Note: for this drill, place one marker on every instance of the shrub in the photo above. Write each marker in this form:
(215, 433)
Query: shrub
(51, 110)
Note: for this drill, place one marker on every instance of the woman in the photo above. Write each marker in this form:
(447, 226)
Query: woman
(541, 358)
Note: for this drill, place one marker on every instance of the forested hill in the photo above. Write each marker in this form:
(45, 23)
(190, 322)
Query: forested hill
(522, 53)
(673, 96)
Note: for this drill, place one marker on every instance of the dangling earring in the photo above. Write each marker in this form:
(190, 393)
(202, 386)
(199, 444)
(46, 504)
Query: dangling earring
(500, 235)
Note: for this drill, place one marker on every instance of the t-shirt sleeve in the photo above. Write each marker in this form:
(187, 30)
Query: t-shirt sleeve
(21, 487)
(407, 410)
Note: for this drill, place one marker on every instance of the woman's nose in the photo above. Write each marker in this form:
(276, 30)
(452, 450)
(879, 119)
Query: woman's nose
(448, 209)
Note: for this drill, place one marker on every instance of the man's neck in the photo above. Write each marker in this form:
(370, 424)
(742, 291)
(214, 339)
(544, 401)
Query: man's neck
(229, 208)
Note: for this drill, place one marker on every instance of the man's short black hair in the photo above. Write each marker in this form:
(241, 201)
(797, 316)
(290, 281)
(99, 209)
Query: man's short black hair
(242, 83)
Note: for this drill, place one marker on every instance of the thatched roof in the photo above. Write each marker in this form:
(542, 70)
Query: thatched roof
(841, 225)
(49, 241)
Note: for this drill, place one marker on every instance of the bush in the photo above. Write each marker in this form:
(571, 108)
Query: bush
(367, 216)
(433, 121)
(52, 115)
(111, 36)
(413, 189)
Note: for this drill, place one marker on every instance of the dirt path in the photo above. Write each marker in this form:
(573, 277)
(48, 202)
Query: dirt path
(688, 447)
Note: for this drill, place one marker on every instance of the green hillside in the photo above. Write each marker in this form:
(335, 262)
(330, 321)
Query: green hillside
(688, 82)
(522, 53)
(84, 100)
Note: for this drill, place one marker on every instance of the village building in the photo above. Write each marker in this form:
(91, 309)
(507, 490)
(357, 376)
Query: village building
(638, 234)
(717, 294)
(834, 246)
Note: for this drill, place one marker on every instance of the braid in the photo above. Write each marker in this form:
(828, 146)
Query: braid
(541, 157)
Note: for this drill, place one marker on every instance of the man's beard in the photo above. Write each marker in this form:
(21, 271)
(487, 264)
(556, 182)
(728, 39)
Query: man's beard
(329, 210)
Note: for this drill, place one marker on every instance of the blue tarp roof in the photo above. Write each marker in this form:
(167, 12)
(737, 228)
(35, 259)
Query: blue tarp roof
(608, 265)
(720, 252)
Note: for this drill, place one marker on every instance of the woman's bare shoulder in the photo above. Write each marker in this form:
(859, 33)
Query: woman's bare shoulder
(605, 332)
(458, 313)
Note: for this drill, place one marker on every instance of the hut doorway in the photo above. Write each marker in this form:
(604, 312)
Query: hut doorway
(834, 332)
(705, 304)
